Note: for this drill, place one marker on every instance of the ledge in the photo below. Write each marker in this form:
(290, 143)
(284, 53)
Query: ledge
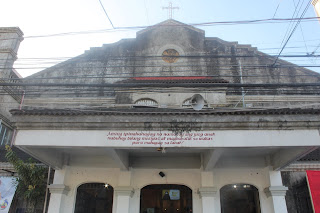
(124, 191)
(276, 191)
(58, 189)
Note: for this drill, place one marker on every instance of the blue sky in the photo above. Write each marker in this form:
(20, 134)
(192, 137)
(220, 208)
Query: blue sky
(44, 17)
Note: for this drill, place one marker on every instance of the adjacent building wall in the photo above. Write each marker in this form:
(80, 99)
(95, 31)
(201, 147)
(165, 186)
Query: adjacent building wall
(316, 5)
(298, 198)
(10, 38)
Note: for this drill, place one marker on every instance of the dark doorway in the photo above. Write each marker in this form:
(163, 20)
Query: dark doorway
(239, 198)
(94, 198)
(166, 198)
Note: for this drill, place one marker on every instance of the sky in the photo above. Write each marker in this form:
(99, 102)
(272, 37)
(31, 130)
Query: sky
(46, 22)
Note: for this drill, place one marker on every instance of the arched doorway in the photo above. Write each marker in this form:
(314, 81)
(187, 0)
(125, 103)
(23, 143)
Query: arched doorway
(239, 198)
(94, 198)
(165, 198)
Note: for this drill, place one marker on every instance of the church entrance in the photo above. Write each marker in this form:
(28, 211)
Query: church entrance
(239, 198)
(94, 198)
(165, 198)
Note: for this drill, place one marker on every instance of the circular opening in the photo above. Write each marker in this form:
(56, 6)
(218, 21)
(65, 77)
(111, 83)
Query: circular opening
(170, 55)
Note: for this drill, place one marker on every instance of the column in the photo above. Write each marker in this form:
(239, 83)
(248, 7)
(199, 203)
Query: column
(123, 194)
(276, 192)
(207, 192)
(58, 191)
(207, 195)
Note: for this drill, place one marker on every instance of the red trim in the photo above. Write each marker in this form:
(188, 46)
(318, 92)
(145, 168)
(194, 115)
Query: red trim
(172, 78)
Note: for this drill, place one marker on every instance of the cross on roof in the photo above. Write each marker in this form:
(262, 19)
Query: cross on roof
(170, 9)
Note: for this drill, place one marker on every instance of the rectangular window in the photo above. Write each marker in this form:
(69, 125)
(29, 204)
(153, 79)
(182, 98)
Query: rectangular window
(5, 134)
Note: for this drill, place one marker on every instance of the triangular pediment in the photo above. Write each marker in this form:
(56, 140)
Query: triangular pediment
(170, 22)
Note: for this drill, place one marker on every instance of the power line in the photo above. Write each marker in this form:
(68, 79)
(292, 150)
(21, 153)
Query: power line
(315, 49)
(291, 22)
(205, 24)
(146, 11)
(57, 90)
(297, 24)
(276, 9)
(105, 12)
(221, 67)
(163, 85)
(112, 76)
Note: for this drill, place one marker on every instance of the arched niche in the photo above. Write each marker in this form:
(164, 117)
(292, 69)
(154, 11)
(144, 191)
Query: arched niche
(146, 102)
(239, 198)
(94, 198)
(169, 198)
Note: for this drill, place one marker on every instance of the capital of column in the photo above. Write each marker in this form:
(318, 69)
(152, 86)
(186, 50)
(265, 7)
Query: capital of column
(276, 191)
(124, 190)
(207, 191)
(58, 189)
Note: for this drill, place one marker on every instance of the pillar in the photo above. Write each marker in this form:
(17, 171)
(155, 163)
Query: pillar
(123, 195)
(58, 191)
(123, 192)
(276, 192)
(207, 195)
(207, 192)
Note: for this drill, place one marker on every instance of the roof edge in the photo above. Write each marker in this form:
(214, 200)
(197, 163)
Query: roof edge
(170, 22)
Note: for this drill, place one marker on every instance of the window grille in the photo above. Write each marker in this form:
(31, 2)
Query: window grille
(146, 102)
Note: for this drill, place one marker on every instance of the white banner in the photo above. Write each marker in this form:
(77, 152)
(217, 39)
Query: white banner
(7, 190)
(214, 138)
(164, 138)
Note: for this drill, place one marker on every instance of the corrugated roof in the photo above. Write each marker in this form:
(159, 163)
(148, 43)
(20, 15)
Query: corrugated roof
(312, 156)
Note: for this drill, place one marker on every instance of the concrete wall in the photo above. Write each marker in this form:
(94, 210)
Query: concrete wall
(143, 57)
(10, 38)
(298, 196)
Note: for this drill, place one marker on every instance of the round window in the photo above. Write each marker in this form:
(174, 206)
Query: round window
(170, 55)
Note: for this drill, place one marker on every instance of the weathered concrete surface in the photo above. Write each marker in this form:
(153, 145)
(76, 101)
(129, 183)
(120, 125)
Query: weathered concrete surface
(242, 162)
(298, 197)
(142, 56)
(10, 38)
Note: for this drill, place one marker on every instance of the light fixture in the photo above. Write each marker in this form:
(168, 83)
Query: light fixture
(161, 174)
(106, 185)
(235, 186)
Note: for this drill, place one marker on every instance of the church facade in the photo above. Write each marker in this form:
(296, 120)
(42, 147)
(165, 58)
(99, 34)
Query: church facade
(171, 121)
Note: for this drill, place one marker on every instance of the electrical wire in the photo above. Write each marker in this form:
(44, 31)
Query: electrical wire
(205, 24)
(112, 76)
(292, 32)
(105, 12)
(276, 9)
(290, 26)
